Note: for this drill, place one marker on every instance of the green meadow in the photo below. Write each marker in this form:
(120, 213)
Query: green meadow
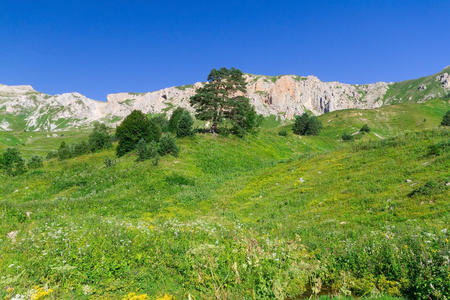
(261, 217)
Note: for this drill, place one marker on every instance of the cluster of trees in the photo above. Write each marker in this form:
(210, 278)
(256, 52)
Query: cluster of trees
(99, 138)
(307, 125)
(138, 132)
(12, 163)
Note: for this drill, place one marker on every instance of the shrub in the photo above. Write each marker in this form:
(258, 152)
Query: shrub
(282, 133)
(347, 137)
(147, 151)
(51, 154)
(364, 129)
(437, 149)
(12, 162)
(35, 162)
(168, 145)
(429, 188)
(108, 162)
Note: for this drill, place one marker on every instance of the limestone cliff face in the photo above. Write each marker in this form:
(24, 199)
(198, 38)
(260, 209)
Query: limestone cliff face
(284, 96)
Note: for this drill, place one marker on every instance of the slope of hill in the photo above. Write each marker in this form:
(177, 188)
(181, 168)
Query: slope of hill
(23, 108)
(266, 216)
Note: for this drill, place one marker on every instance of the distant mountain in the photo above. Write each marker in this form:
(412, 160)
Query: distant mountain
(23, 108)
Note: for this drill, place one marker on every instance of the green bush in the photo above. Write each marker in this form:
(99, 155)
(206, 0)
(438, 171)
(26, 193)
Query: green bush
(365, 129)
(168, 145)
(35, 162)
(439, 148)
(12, 162)
(147, 151)
(282, 133)
(347, 137)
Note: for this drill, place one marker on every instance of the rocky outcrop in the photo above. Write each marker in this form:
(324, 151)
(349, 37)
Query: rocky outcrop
(284, 96)
(445, 80)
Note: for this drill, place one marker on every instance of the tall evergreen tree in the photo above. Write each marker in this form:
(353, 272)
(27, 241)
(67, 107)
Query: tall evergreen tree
(222, 98)
(184, 126)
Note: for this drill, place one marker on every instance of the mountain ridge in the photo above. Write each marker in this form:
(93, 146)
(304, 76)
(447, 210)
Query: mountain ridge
(22, 107)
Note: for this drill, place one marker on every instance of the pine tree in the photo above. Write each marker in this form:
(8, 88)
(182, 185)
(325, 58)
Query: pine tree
(184, 126)
(222, 98)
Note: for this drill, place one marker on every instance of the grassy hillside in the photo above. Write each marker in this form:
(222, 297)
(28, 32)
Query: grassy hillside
(266, 216)
(409, 90)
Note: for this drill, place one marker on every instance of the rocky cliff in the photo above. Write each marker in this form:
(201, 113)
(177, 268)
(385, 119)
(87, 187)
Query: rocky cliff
(283, 96)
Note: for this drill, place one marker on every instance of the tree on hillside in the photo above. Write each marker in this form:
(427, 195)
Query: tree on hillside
(313, 126)
(184, 127)
(222, 98)
(12, 162)
(174, 118)
(99, 138)
(300, 124)
(306, 125)
(134, 127)
(64, 151)
(446, 119)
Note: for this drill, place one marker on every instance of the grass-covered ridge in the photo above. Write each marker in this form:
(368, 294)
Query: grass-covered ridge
(261, 217)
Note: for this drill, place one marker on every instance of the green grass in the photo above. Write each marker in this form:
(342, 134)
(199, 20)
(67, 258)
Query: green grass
(408, 91)
(261, 217)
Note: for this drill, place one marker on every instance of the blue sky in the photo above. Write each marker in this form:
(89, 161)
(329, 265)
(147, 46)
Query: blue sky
(101, 47)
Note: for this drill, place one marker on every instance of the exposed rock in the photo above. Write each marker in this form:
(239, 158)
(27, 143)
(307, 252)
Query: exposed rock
(283, 96)
(445, 80)
(422, 87)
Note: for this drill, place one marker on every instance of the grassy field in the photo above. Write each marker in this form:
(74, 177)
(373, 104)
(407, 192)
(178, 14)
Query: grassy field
(262, 217)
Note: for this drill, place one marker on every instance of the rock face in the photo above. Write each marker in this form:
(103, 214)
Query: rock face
(284, 96)
(445, 80)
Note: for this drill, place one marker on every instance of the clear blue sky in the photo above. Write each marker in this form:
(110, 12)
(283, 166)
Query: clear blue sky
(100, 47)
